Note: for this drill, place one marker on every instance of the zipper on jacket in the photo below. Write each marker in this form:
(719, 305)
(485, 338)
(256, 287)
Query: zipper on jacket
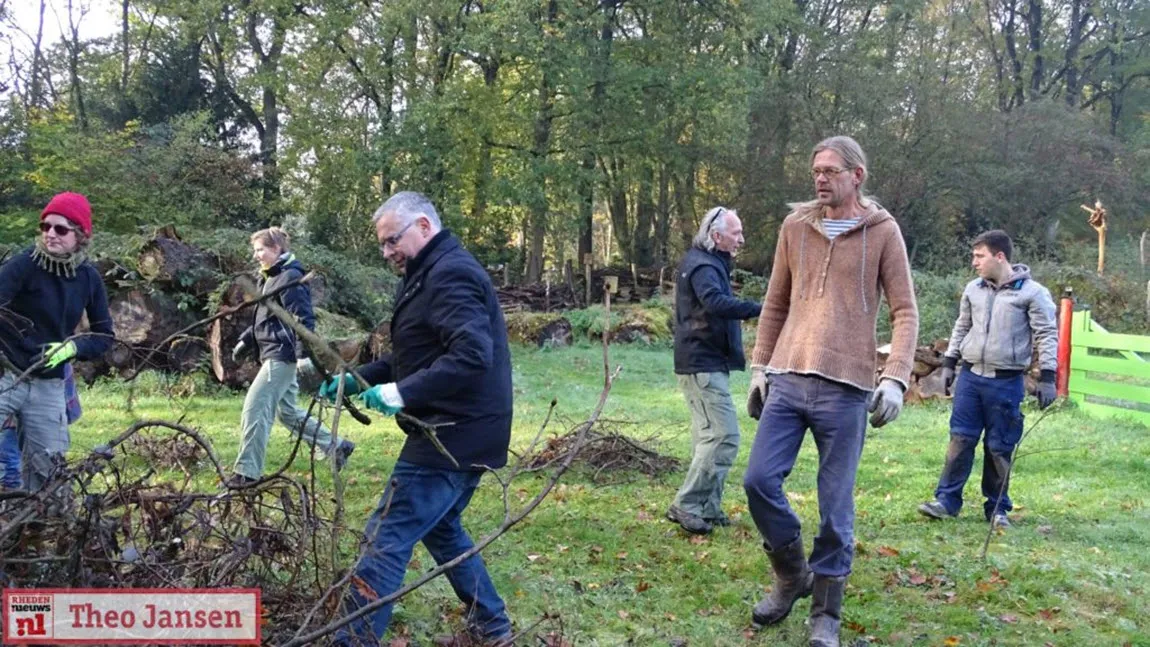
(989, 315)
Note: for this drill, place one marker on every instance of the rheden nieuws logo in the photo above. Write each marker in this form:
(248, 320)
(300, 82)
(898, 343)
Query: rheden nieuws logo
(131, 616)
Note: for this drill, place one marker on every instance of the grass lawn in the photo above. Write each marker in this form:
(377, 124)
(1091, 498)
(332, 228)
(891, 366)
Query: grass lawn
(1073, 570)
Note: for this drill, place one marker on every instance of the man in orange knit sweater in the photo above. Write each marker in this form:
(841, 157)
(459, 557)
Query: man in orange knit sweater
(813, 367)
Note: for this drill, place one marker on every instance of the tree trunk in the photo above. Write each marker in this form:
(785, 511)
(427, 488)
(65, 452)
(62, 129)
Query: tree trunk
(175, 263)
(663, 217)
(603, 48)
(1034, 33)
(74, 68)
(644, 219)
(1073, 45)
(539, 151)
(222, 338)
(125, 52)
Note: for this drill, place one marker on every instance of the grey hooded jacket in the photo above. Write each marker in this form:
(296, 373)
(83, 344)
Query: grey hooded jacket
(996, 325)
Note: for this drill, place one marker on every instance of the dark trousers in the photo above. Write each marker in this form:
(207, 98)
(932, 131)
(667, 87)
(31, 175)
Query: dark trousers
(836, 415)
(982, 404)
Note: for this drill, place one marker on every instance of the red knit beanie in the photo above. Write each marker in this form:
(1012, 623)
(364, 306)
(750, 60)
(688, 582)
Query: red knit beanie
(72, 206)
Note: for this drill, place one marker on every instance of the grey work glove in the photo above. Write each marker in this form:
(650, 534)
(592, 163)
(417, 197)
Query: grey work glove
(757, 396)
(1046, 392)
(885, 403)
(238, 352)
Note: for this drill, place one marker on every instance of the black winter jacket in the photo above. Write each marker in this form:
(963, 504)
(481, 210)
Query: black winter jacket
(273, 339)
(708, 338)
(450, 358)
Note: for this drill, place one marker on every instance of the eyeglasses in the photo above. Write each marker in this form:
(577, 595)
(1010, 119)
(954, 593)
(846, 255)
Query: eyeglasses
(391, 240)
(61, 230)
(829, 172)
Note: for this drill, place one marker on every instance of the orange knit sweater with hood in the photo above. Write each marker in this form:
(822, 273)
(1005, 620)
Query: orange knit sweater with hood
(821, 306)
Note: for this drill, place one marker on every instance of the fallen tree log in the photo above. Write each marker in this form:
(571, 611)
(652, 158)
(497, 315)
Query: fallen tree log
(177, 264)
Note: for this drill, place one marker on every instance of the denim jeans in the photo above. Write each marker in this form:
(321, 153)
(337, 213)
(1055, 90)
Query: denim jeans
(10, 458)
(273, 392)
(10, 462)
(714, 443)
(422, 504)
(836, 415)
(39, 403)
(990, 404)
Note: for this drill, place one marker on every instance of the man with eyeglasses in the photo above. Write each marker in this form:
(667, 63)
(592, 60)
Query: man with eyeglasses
(708, 346)
(450, 366)
(813, 367)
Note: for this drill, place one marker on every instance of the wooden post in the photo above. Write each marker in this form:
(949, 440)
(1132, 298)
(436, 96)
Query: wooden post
(635, 277)
(506, 274)
(547, 292)
(1065, 317)
(587, 260)
(1097, 220)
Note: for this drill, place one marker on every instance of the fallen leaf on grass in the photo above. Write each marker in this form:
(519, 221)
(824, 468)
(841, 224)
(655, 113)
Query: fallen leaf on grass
(951, 641)
(887, 551)
(623, 614)
(1009, 618)
(400, 641)
(532, 557)
(643, 515)
(1048, 614)
(698, 539)
(364, 589)
(642, 586)
(855, 627)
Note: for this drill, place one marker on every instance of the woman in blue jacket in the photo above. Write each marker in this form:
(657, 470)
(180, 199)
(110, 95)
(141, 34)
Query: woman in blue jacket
(275, 388)
(44, 292)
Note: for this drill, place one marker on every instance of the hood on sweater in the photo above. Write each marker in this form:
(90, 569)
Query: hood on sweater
(812, 213)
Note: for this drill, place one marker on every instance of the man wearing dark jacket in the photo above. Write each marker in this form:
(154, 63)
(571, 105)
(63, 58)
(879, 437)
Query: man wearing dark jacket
(708, 346)
(450, 366)
(1003, 315)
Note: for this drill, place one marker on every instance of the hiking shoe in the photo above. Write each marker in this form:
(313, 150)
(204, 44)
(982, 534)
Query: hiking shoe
(346, 447)
(692, 523)
(1000, 521)
(237, 480)
(722, 520)
(935, 510)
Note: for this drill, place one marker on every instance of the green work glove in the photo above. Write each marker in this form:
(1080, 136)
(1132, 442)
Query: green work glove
(330, 387)
(384, 398)
(57, 353)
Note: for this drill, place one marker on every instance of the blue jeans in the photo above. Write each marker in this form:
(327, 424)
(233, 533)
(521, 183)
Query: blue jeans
(11, 463)
(10, 458)
(836, 415)
(425, 505)
(993, 405)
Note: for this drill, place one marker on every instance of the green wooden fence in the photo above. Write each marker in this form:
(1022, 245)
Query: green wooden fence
(1109, 373)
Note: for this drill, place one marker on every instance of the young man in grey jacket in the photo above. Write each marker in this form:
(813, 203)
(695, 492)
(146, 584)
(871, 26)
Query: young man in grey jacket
(1002, 311)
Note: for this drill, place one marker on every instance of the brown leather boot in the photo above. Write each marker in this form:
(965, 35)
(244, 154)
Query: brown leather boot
(793, 580)
(826, 611)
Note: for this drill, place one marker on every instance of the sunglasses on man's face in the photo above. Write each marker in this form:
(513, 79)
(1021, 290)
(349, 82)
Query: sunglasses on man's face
(61, 230)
